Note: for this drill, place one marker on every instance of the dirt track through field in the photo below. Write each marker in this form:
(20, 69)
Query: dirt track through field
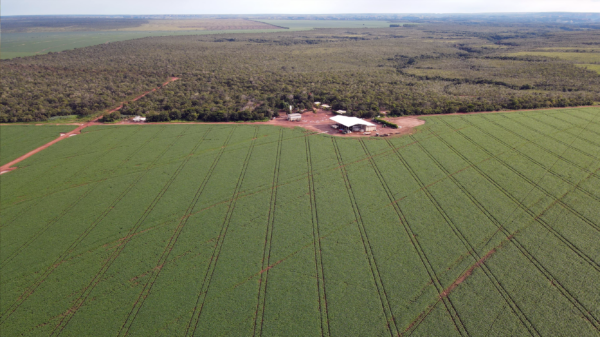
(9, 166)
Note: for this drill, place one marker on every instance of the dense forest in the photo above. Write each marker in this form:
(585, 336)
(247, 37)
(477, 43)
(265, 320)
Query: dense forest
(423, 69)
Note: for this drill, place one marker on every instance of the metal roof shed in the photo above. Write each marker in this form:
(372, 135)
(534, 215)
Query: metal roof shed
(294, 117)
(350, 121)
(353, 123)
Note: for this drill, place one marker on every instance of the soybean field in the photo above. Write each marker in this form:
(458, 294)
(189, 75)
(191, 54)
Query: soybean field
(475, 225)
(17, 140)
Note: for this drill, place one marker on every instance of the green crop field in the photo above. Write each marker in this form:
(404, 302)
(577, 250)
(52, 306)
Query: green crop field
(481, 225)
(30, 44)
(594, 67)
(312, 24)
(580, 58)
(17, 140)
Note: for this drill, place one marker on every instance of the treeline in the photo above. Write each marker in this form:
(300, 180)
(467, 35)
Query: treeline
(253, 76)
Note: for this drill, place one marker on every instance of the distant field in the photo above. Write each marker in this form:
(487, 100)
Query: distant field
(29, 44)
(311, 24)
(200, 24)
(594, 67)
(17, 140)
(477, 225)
(582, 58)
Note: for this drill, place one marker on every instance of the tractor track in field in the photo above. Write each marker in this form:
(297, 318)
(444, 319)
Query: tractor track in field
(9, 166)
(257, 274)
(86, 291)
(566, 294)
(85, 167)
(319, 270)
(546, 150)
(123, 241)
(537, 163)
(584, 119)
(537, 218)
(266, 258)
(569, 122)
(367, 246)
(132, 172)
(480, 260)
(30, 290)
(100, 158)
(542, 222)
(420, 252)
(478, 264)
(171, 243)
(421, 317)
(457, 233)
(70, 177)
(549, 170)
(197, 312)
(549, 136)
(565, 131)
(57, 218)
(546, 136)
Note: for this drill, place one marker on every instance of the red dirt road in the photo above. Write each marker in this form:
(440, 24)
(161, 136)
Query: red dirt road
(9, 166)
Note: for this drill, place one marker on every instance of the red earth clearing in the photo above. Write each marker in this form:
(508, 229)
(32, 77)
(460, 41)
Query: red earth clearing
(320, 122)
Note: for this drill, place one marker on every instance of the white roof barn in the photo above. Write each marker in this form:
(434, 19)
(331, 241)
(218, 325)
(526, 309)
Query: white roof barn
(350, 121)
(294, 117)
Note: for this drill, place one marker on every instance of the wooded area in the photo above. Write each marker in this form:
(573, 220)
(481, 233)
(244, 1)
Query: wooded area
(422, 69)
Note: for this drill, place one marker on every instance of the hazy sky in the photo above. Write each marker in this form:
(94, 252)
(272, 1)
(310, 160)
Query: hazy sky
(32, 7)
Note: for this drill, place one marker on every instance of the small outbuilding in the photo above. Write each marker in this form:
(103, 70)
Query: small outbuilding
(341, 112)
(139, 119)
(294, 117)
(352, 124)
(325, 107)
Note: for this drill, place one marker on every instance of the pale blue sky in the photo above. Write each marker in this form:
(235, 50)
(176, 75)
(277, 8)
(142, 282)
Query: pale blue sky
(98, 7)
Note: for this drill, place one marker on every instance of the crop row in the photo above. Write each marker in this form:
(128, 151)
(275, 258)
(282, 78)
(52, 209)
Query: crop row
(413, 237)
(70, 249)
(133, 230)
(266, 259)
(535, 217)
(36, 236)
(560, 156)
(171, 242)
(238, 230)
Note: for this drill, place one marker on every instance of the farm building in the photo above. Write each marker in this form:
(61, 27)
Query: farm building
(341, 112)
(317, 103)
(325, 106)
(294, 117)
(139, 119)
(345, 124)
